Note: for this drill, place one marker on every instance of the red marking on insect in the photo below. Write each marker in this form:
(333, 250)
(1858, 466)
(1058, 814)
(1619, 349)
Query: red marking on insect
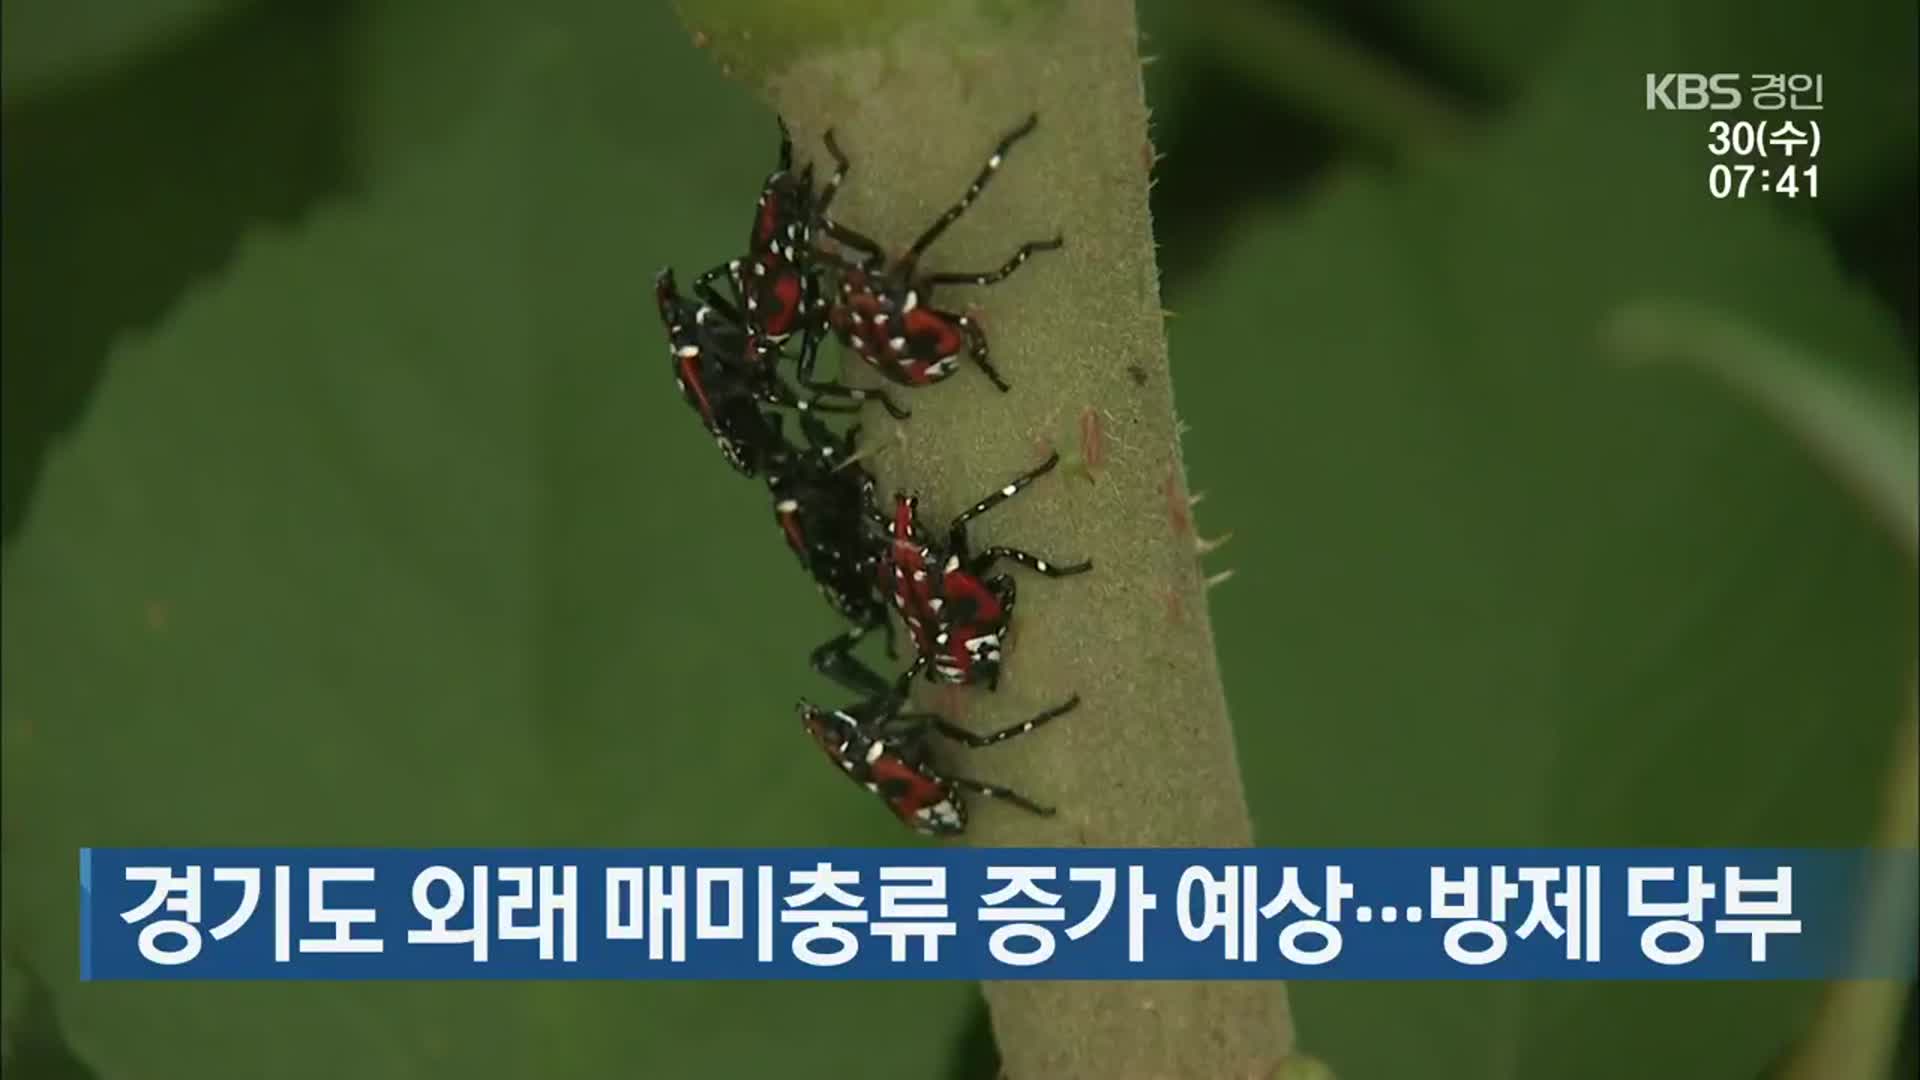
(766, 224)
(690, 378)
(911, 584)
(786, 290)
(789, 516)
(906, 789)
(972, 614)
(927, 332)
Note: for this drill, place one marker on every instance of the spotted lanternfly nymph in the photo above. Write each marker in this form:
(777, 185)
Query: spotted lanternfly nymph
(709, 351)
(706, 354)
(888, 751)
(956, 613)
(883, 311)
(824, 503)
(776, 286)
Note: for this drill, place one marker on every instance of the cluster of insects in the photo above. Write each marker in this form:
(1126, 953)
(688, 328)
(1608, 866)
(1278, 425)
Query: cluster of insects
(731, 342)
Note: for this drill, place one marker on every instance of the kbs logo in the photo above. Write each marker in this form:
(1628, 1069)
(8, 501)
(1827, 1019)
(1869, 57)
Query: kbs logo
(1693, 92)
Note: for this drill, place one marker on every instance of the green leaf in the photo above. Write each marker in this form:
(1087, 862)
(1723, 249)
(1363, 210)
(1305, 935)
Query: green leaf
(1866, 435)
(47, 43)
(401, 535)
(423, 68)
(122, 192)
(1494, 587)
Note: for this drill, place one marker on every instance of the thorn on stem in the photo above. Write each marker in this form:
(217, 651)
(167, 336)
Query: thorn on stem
(872, 449)
(1207, 547)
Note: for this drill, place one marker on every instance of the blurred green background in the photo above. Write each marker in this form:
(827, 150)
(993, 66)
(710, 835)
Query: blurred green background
(345, 500)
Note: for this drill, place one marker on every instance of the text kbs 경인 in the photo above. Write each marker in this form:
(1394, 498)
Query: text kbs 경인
(1767, 155)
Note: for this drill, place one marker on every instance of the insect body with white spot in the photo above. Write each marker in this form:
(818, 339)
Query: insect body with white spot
(708, 356)
(776, 286)
(880, 310)
(956, 610)
(888, 751)
(824, 504)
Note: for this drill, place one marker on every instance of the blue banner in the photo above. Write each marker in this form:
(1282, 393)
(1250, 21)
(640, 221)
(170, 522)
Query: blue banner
(974, 914)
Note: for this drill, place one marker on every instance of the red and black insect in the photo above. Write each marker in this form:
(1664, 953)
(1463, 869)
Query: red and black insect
(776, 285)
(883, 311)
(709, 368)
(956, 613)
(711, 365)
(823, 501)
(889, 752)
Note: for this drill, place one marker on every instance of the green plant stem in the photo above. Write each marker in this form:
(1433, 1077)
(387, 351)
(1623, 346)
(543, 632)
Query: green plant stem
(1148, 758)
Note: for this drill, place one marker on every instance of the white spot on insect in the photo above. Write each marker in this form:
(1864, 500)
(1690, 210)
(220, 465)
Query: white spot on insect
(952, 564)
(993, 162)
(1010, 489)
(912, 301)
(879, 318)
(897, 344)
(759, 270)
(936, 603)
(874, 750)
(786, 506)
(687, 352)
